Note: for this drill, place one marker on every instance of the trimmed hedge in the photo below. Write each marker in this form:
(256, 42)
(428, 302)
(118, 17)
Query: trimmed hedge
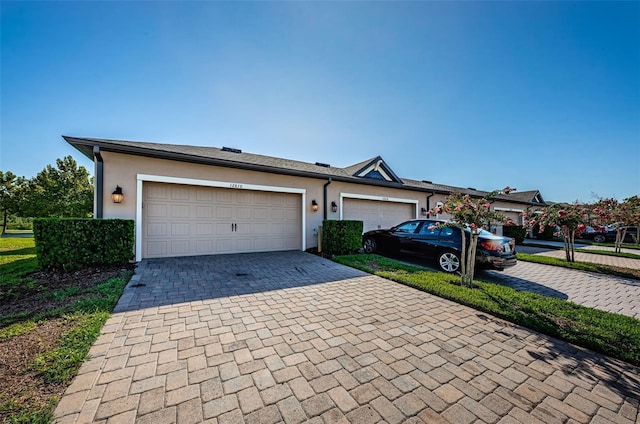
(517, 232)
(341, 237)
(76, 243)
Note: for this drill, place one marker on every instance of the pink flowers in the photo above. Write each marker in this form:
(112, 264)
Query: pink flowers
(487, 206)
(562, 213)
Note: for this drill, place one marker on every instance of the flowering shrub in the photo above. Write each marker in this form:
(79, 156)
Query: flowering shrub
(472, 214)
(572, 221)
(610, 211)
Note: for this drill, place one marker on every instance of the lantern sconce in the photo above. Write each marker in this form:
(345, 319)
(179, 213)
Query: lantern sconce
(423, 211)
(334, 207)
(117, 195)
(314, 205)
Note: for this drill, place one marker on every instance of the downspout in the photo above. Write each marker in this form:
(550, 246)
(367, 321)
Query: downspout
(99, 180)
(324, 194)
(433, 193)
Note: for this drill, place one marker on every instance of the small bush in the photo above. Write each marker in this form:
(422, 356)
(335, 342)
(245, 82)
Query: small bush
(517, 232)
(71, 244)
(341, 237)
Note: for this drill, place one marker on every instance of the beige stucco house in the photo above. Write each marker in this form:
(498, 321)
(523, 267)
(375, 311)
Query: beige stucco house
(189, 200)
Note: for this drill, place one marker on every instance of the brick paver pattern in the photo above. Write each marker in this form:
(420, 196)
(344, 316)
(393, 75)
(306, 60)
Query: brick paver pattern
(290, 337)
(606, 292)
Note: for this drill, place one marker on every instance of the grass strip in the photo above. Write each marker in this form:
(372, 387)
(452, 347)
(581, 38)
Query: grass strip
(609, 253)
(581, 266)
(605, 332)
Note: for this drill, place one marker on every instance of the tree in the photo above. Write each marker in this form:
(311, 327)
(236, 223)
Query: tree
(620, 215)
(10, 186)
(64, 191)
(571, 219)
(470, 214)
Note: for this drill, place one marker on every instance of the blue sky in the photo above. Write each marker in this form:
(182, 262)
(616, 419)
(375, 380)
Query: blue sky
(535, 95)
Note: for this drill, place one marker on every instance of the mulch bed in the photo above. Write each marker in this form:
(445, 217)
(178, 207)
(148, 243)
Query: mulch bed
(20, 384)
(36, 298)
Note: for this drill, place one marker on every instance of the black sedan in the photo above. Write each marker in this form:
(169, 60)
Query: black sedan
(430, 239)
(608, 234)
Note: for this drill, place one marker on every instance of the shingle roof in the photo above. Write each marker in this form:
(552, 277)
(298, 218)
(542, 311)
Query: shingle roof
(221, 157)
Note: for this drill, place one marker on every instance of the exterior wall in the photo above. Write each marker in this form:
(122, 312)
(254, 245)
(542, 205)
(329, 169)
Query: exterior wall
(122, 170)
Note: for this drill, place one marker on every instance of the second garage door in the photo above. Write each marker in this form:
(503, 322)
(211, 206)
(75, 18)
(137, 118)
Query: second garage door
(184, 220)
(378, 214)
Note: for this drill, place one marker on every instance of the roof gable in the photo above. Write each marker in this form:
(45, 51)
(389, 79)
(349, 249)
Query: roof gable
(377, 169)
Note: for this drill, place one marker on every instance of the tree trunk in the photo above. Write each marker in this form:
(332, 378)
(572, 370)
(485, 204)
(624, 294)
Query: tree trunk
(4, 225)
(463, 261)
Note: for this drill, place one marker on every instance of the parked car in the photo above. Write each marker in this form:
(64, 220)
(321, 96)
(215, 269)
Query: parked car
(430, 239)
(608, 234)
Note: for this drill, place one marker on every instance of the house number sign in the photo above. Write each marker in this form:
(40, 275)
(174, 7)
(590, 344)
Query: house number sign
(235, 185)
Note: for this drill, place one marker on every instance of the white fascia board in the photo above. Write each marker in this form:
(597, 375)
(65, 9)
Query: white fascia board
(141, 178)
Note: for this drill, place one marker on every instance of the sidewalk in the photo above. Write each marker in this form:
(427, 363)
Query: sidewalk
(580, 256)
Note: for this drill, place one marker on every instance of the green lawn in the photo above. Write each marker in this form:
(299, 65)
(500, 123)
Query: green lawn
(612, 334)
(51, 370)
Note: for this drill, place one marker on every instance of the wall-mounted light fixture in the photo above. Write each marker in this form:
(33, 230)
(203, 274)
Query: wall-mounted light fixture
(117, 195)
(334, 207)
(314, 205)
(423, 211)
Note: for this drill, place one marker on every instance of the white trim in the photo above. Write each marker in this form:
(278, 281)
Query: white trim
(141, 178)
(508, 210)
(376, 167)
(375, 198)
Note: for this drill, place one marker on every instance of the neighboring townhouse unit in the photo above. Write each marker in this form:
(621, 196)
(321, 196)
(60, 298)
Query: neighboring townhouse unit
(190, 200)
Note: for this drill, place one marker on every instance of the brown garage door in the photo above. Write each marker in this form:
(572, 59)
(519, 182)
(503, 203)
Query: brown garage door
(184, 220)
(378, 214)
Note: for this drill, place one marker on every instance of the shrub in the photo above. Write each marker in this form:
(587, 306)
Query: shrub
(518, 232)
(547, 234)
(341, 237)
(71, 244)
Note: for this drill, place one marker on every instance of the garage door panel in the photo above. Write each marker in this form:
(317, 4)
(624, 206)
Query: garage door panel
(180, 229)
(204, 212)
(180, 193)
(180, 247)
(156, 210)
(204, 229)
(204, 246)
(244, 213)
(191, 220)
(378, 214)
(156, 192)
(224, 212)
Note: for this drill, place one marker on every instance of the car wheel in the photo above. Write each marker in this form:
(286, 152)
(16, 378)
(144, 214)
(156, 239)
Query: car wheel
(599, 238)
(369, 245)
(449, 261)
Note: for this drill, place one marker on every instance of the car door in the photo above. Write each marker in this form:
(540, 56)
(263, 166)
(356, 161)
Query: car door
(426, 239)
(404, 235)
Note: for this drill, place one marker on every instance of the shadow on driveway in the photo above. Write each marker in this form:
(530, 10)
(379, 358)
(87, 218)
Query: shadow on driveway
(167, 281)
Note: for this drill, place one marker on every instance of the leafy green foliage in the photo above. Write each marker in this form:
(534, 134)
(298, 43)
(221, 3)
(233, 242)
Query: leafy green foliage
(82, 320)
(341, 237)
(518, 232)
(63, 191)
(545, 234)
(471, 213)
(612, 334)
(70, 244)
(61, 364)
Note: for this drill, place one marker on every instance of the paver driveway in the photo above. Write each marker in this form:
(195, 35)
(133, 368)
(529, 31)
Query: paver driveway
(290, 337)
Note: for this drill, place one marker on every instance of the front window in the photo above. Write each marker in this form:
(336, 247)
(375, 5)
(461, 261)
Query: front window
(407, 227)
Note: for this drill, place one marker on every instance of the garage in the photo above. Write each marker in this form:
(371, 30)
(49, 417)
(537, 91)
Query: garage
(189, 220)
(379, 213)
